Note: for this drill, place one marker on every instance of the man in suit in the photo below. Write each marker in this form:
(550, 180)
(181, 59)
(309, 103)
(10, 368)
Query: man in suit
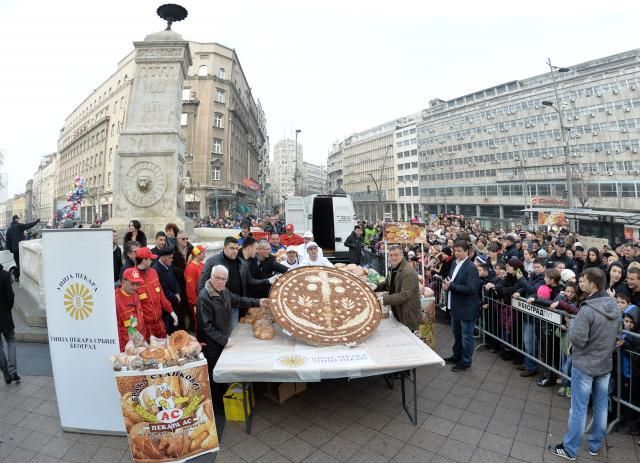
(404, 292)
(462, 284)
(163, 265)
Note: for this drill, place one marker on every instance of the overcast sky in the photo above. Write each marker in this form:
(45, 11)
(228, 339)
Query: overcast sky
(329, 68)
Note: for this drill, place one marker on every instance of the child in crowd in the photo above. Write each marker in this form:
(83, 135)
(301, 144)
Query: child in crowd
(566, 301)
(629, 349)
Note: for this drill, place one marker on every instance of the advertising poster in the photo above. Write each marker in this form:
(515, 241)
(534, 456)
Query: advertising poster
(168, 413)
(425, 331)
(405, 232)
(77, 267)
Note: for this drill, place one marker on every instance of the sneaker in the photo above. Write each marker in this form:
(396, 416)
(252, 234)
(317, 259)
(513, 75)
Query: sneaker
(562, 391)
(15, 378)
(559, 451)
(568, 392)
(594, 453)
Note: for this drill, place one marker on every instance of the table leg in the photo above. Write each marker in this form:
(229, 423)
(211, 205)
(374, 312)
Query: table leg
(248, 405)
(410, 375)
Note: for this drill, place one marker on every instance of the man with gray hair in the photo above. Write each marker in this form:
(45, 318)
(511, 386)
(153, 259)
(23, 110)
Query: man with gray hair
(214, 321)
(268, 267)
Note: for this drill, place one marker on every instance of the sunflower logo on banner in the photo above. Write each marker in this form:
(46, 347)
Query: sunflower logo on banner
(78, 301)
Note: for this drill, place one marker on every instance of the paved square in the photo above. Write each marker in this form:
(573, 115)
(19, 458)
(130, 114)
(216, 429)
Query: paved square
(487, 414)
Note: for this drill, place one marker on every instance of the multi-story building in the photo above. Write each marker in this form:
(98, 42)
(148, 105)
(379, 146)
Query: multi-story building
(44, 189)
(6, 211)
(408, 178)
(335, 179)
(315, 178)
(490, 153)
(287, 171)
(369, 171)
(18, 207)
(224, 129)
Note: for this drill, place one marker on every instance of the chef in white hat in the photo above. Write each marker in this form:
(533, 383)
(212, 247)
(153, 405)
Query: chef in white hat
(302, 249)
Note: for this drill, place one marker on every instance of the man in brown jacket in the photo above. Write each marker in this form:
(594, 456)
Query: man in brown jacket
(404, 293)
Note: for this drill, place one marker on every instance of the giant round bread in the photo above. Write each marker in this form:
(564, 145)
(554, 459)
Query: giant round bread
(324, 306)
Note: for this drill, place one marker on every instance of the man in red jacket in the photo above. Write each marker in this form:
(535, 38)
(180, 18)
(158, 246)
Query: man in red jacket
(290, 238)
(152, 296)
(192, 276)
(128, 305)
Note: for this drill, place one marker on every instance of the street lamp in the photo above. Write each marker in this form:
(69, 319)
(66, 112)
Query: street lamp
(295, 169)
(565, 139)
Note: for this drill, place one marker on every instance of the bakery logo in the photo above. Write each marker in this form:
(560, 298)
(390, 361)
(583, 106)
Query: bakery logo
(162, 407)
(78, 290)
(292, 361)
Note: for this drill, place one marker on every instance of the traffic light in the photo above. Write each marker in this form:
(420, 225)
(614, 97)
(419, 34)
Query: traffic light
(565, 194)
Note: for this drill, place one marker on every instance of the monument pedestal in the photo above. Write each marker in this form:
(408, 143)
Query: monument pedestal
(149, 164)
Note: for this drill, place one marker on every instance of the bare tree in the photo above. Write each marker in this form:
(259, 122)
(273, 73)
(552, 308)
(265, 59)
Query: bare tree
(581, 191)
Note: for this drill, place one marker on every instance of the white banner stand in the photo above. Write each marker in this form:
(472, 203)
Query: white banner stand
(81, 321)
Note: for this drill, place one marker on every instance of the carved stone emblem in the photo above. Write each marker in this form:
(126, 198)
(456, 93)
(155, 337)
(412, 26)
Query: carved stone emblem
(144, 184)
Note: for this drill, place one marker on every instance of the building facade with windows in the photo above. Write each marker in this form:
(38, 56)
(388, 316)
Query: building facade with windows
(335, 180)
(369, 171)
(408, 178)
(315, 178)
(223, 126)
(492, 152)
(287, 171)
(44, 181)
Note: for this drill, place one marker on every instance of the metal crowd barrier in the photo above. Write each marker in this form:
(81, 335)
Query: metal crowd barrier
(435, 283)
(537, 333)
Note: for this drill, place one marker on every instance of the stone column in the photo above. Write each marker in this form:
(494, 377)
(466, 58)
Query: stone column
(477, 210)
(501, 209)
(149, 169)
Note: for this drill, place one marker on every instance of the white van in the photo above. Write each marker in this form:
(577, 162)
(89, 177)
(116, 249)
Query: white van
(330, 218)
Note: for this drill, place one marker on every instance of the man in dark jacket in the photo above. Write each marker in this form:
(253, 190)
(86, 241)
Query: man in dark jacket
(240, 280)
(462, 283)
(529, 332)
(560, 255)
(593, 335)
(355, 244)
(268, 267)
(7, 329)
(404, 292)
(15, 234)
(163, 266)
(215, 321)
(510, 249)
(130, 248)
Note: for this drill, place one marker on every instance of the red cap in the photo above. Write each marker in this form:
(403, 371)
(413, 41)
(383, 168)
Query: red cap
(145, 253)
(199, 249)
(289, 227)
(132, 275)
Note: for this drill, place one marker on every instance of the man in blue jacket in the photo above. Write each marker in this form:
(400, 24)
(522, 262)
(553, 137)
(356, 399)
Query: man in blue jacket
(463, 301)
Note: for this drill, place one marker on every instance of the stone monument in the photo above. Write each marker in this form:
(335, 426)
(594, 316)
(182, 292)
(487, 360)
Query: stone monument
(149, 168)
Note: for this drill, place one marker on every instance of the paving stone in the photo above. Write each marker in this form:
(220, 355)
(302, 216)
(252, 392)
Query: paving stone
(481, 408)
(535, 422)
(457, 451)
(340, 448)
(320, 457)
(531, 436)
(427, 440)
(227, 456)
(316, 435)
(359, 434)
(57, 447)
(250, 449)
(466, 434)
(438, 425)
(502, 428)
(382, 444)
(35, 441)
(273, 436)
(296, 449)
(20, 456)
(40, 458)
(367, 456)
(527, 452)
(412, 454)
(80, 452)
(474, 420)
(374, 420)
(448, 412)
(455, 400)
(507, 414)
(513, 404)
(399, 430)
(495, 443)
(272, 457)
(108, 455)
(488, 397)
(485, 456)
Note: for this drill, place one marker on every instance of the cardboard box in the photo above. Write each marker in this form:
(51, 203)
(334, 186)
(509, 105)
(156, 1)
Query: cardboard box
(279, 392)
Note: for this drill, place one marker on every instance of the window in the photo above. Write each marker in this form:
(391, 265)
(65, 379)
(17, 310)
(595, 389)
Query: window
(628, 190)
(203, 70)
(219, 95)
(217, 120)
(217, 146)
(400, 191)
(186, 94)
(608, 189)
(113, 129)
(221, 73)
(184, 117)
(215, 173)
(415, 191)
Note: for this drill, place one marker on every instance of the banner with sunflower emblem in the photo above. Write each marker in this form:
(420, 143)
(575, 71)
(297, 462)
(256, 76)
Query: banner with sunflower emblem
(77, 276)
(168, 413)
